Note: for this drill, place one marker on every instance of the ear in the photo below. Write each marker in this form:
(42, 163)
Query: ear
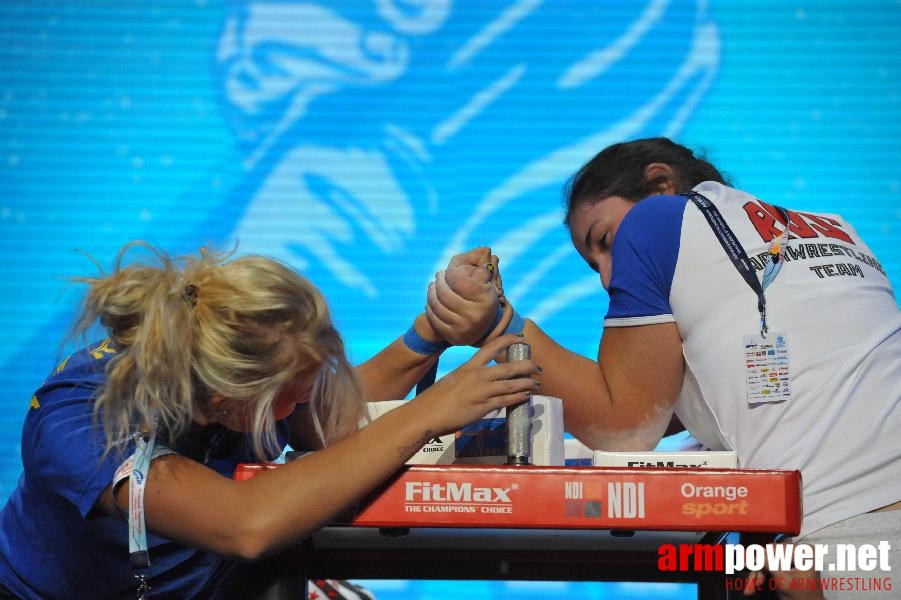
(664, 174)
(211, 412)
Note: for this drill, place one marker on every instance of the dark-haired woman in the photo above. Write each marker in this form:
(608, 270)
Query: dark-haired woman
(768, 331)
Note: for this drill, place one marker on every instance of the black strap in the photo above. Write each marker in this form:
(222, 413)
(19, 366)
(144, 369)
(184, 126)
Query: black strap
(733, 248)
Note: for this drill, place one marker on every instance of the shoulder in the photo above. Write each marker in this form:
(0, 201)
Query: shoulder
(68, 393)
(657, 212)
(62, 441)
(645, 252)
(731, 202)
(652, 226)
(81, 370)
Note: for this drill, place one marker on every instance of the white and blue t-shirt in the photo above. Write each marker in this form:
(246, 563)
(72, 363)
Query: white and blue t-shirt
(841, 425)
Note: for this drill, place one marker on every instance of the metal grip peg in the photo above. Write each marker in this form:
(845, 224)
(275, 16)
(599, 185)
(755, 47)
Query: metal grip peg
(519, 416)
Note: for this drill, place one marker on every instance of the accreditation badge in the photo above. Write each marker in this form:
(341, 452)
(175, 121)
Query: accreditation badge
(767, 376)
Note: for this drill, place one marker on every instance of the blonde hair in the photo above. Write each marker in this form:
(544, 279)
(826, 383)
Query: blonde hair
(186, 328)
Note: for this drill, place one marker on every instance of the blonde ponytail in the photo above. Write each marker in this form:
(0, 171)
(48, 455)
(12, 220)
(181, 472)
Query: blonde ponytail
(185, 329)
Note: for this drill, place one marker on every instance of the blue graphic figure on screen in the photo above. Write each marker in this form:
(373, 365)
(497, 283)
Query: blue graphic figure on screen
(375, 138)
(381, 137)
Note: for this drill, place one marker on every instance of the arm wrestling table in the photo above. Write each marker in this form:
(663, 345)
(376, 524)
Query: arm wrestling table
(546, 523)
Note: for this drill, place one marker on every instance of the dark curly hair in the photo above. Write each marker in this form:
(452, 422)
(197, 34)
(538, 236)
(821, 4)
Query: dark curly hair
(619, 170)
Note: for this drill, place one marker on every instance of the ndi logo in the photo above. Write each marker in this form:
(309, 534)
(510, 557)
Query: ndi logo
(625, 500)
(574, 490)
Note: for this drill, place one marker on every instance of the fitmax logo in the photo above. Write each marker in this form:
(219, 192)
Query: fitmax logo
(423, 491)
(660, 463)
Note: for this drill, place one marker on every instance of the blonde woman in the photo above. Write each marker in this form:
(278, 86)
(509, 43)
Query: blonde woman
(210, 361)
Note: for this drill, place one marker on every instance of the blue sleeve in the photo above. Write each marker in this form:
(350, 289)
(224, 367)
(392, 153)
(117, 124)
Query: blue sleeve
(62, 446)
(644, 255)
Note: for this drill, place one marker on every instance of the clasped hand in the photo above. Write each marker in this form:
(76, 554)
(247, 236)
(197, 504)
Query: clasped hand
(465, 300)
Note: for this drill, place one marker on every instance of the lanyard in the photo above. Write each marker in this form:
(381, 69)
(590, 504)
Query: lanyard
(137, 533)
(737, 253)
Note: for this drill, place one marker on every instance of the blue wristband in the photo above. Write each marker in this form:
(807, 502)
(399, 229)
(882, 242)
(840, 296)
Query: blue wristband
(497, 319)
(420, 345)
(516, 325)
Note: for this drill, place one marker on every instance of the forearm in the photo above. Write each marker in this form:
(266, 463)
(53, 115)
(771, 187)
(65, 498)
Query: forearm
(395, 370)
(190, 503)
(303, 499)
(616, 402)
(578, 381)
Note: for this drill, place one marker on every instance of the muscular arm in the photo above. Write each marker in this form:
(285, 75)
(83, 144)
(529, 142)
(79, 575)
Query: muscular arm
(190, 503)
(625, 400)
(187, 502)
(392, 373)
(622, 401)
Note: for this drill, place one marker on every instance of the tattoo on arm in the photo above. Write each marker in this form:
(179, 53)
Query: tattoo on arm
(427, 436)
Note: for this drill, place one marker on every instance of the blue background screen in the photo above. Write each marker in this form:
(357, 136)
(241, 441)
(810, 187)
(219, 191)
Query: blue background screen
(367, 141)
